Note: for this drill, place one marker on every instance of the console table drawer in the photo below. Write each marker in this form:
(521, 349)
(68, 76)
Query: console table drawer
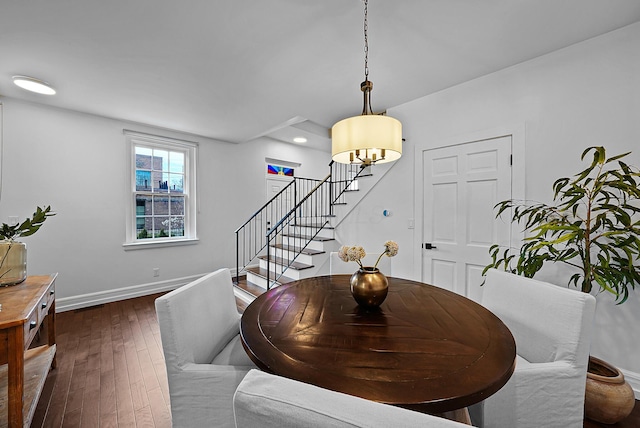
(43, 307)
(31, 328)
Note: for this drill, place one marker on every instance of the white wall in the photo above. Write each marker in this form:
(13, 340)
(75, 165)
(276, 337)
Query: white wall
(77, 164)
(585, 95)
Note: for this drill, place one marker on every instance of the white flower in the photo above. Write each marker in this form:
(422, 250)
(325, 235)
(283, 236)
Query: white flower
(391, 248)
(351, 254)
(343, 253)
(356, 253)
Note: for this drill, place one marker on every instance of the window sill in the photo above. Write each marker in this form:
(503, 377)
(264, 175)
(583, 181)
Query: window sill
(129, 246)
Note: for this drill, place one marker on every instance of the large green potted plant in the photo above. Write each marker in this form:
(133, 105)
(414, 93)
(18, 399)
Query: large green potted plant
(13, 254)
(593, 226)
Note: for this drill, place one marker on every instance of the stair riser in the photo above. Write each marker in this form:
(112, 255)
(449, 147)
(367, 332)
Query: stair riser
(257, 280)
(288, 255)
(324, 233)
(291, 273)
(262, 282)
(243, 295)
(297, 242)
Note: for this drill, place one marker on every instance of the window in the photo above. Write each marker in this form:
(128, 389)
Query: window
(161, 192)
(279, 170)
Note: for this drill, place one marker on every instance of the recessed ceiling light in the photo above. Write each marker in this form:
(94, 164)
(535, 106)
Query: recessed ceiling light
(34, 85)
(299, 140)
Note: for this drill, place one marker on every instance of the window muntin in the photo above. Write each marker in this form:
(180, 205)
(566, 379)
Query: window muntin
(159, 172)
(163, 190)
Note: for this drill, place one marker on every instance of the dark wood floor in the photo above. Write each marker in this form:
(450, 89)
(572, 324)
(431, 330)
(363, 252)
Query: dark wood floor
(111, 370)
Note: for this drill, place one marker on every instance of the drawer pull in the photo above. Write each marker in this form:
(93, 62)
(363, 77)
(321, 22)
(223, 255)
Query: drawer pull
(51, 292)
(44, 305)
(32, 325)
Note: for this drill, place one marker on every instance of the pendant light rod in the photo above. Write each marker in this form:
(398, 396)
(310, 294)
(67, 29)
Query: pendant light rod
(366, 40)
(366, 87)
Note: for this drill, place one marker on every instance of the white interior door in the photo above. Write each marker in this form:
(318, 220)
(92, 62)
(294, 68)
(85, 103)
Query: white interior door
(277, 211)
(462, 184)
(275, 185)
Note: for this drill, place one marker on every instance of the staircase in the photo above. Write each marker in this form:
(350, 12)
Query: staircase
(291, 236)
(296, 255)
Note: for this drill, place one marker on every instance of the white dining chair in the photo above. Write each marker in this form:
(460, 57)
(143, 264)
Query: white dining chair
(269, 401)
(552, 329)
(205, 360)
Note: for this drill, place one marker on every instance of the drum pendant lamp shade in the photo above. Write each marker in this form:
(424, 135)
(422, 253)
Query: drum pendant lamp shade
(369, 134)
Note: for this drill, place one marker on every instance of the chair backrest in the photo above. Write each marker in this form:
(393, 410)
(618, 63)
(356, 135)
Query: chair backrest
(337, 266)
(197, 320)
(268, 401)
(548, 322)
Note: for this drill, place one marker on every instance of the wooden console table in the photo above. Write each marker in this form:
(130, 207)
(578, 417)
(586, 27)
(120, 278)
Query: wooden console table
(23, 371)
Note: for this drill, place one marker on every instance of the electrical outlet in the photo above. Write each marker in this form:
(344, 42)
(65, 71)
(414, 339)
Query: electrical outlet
(156, 271)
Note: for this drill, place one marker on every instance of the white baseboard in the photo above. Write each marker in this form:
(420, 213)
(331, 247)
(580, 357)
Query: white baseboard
(92, 299)
(634, 380)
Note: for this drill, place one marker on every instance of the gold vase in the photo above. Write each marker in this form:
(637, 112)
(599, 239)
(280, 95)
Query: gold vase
(369, 287)
(13, 262)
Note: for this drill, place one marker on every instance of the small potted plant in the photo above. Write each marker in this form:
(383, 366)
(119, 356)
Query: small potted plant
(593, 226)
(13, 254)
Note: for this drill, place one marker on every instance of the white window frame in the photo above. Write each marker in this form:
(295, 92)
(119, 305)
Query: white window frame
(190, 150)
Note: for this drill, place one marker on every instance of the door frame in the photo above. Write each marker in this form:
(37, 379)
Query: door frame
(517, 133)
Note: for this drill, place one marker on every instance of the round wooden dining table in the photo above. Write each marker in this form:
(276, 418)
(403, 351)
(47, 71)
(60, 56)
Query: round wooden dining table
(424, 348)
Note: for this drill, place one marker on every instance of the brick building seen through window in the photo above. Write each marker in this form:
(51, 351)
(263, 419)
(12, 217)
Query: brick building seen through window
(160, 200)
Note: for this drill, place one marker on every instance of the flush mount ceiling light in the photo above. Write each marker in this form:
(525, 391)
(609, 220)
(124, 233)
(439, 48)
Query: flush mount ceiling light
(34, 85)
(299, 140)
(369, 138)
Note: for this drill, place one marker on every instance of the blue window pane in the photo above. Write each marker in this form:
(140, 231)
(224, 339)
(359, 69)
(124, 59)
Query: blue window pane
(143, 205)
(176, 183)
(143, 158)
(176, 162)
(160, 182)
(160, 160)
(143, 180)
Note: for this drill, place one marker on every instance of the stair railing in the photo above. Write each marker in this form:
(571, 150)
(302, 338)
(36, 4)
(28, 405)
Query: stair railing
(303, 202)
(250, 237)
(344, 179)
(311, 215)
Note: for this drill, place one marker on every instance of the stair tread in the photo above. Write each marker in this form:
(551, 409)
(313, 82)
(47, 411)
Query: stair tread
(250, 288)
(317, 225)
(263, 273)
(283, 262)
(301, 236)
(307, 251)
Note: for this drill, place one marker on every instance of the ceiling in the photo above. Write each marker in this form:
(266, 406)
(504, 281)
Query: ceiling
(234, 70)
